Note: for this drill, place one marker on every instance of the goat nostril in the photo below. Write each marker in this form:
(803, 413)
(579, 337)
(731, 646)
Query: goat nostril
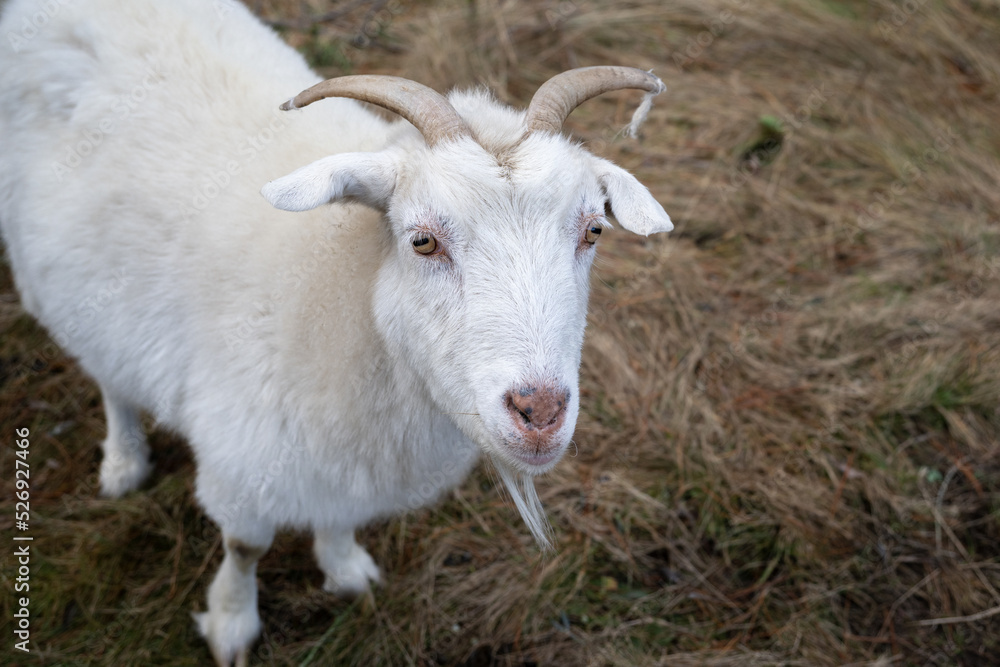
(539, 408)
(515, 409)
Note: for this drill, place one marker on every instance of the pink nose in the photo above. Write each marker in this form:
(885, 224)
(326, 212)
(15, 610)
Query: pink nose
(537, 408)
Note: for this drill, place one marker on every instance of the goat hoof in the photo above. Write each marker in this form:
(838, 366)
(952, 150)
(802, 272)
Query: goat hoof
(352, 576)
(119, 474)
(229, 636)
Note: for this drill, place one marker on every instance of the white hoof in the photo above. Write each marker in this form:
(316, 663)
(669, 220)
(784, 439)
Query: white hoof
(121, 474)
(351, 576)
(229, 635)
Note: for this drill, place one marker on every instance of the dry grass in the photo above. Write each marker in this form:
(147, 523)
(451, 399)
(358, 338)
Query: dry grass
(788, 452)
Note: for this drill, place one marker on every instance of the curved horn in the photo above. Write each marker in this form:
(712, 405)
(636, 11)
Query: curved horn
(425, 108)
(558, 96)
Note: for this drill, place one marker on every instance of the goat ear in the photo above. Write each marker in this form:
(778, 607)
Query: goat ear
(632, 205)
(366, 177)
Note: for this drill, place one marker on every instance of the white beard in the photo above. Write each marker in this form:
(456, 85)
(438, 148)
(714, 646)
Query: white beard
(521, 487)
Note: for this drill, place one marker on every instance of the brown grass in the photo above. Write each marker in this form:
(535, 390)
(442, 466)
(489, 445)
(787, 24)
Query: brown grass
(791, 405)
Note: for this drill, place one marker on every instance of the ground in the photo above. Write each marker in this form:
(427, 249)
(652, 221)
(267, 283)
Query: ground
(788, 446)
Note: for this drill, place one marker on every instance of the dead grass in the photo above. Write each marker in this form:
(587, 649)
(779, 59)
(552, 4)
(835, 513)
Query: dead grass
(788, 452)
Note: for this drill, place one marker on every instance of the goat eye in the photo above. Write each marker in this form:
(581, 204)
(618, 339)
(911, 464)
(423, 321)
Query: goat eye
(425, 244)
(592, 233)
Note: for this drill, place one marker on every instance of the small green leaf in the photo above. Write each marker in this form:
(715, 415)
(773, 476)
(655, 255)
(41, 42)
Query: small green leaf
(771, 124)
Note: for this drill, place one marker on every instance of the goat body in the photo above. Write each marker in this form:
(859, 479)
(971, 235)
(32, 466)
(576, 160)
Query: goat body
(325, 373)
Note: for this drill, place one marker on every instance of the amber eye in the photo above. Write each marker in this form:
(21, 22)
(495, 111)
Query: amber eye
(592, 233)
(425, 244)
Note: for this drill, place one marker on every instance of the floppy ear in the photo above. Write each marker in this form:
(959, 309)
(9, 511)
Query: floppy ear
(632, 205)
(366, 177)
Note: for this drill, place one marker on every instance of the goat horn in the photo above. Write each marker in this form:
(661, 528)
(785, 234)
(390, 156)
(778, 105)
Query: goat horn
(425, 108)
(558, 96)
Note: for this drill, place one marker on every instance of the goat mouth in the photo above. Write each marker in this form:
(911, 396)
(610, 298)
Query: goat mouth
(538, 460)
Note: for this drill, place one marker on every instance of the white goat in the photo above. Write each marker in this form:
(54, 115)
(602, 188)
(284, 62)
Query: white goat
(328, 368)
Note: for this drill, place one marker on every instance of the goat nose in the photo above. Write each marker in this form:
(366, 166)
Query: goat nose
(538, 408)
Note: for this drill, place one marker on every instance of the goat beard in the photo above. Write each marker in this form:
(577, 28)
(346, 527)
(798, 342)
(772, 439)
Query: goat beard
(521, 487)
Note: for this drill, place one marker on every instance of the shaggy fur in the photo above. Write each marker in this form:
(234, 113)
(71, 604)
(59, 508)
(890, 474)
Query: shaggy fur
(324, 373)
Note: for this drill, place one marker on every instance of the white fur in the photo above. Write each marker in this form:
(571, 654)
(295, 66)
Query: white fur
(126, 454)
(347, 566)
(324, 373)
